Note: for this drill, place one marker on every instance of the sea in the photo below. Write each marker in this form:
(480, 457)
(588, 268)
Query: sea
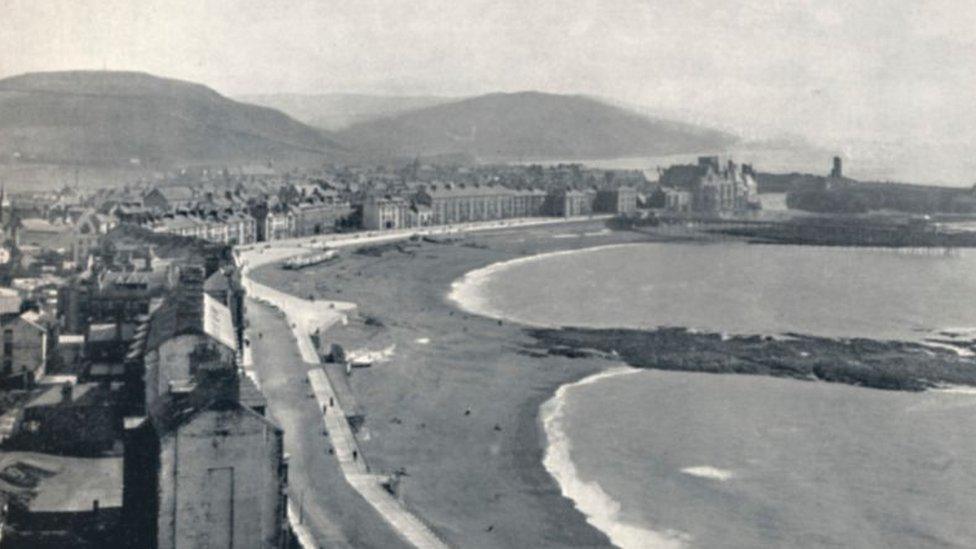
(671, 459)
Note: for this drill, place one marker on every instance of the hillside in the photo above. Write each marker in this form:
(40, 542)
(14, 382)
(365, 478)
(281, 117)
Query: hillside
(336, 111)
(529, 125)
(113, 118)
(826, 195)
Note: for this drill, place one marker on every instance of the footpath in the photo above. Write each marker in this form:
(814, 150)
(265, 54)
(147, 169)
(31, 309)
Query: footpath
(304, 318)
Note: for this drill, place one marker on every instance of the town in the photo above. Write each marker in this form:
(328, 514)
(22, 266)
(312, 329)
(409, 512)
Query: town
(487, 275)
(128, 408)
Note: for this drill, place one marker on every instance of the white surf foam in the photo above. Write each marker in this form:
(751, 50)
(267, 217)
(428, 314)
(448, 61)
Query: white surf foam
(708, 472)
(961, 352)
(956, 390)
(601, 510)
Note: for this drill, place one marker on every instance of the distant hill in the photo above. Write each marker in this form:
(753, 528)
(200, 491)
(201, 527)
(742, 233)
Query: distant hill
(336, 111)
(111, 118)
(530, 125)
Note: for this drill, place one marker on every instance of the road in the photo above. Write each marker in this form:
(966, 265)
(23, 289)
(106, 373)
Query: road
(260, 253)
(302, 317)
(282, 356)
(335, 513)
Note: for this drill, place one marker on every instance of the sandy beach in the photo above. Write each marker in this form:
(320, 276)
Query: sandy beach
(453, 399)
(457, 404)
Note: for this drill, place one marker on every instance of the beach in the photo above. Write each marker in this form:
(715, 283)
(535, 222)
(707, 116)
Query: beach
(462, 403)
(457, 403)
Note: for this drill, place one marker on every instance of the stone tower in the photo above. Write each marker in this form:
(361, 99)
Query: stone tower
(838, 169)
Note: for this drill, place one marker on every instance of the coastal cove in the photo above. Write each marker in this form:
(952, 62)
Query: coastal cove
(457, 405)
(711, 465)
(663, 459)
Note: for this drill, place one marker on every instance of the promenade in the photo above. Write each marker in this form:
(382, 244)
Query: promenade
(305, 317)
(324, 509)
(354, 467)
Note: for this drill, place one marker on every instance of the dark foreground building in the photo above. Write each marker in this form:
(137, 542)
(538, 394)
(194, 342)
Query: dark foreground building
(202, 467)
(204, 470)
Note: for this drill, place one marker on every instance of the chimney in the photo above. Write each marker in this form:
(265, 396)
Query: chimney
(708, 162)
(215, 374)
(222, 384)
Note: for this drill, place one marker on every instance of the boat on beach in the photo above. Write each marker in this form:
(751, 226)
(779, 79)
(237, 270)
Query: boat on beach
(316, 258)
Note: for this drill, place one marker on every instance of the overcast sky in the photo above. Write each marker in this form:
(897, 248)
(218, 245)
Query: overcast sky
(901, 70)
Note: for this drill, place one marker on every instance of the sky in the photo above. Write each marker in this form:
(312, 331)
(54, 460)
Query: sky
(896, 71)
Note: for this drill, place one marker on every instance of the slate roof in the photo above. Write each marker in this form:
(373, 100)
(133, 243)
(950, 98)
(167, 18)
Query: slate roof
(172, 411)
(218, 282)
(176, 193)
(35, 224)
(458, 191)
(181, 313)
(250, 395)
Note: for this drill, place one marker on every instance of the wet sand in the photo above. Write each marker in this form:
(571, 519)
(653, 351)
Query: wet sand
(457, 405)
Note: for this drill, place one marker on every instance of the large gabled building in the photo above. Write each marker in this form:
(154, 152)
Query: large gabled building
(462, 203)
(713, 188)
(170, 198)
(385, 212)
(205, 470)
(24, 349)
(203, 466)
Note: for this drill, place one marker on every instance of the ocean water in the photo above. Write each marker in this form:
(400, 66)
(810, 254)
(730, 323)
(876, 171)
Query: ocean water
(735, 288)
(671, 459)
(674, 459)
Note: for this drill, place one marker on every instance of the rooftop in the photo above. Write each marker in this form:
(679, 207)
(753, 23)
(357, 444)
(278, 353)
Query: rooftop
(176, 193)
(62, 484)
(53, 395)
(456, 191)
(42, 225)
(173, 410)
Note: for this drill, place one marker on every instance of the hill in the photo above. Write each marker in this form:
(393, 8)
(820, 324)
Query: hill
(830, 195)
(529, 125)
(336, 111)
(115, 118)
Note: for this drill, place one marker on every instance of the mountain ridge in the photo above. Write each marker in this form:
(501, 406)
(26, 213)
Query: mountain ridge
(337, 111)
(98, 116)
(529, 125)
(123, 118)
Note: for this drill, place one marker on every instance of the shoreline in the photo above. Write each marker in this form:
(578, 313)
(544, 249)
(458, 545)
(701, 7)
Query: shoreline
(456, 373)
(599, 508)
(783, 354)
(474, 304)
(478, 480)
